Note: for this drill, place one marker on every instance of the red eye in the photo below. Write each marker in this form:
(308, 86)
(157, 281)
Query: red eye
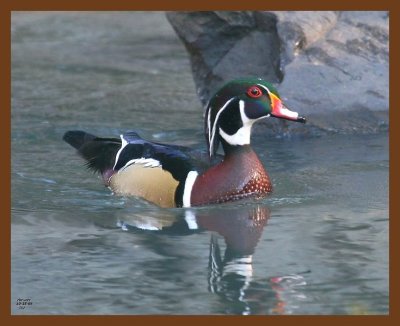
(254, 92)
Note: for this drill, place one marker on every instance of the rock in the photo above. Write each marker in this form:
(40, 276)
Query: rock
(332, 67)
(224, 45)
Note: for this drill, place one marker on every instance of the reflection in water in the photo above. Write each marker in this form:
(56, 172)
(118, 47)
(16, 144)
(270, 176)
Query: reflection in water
(288, 293)
(230, 276)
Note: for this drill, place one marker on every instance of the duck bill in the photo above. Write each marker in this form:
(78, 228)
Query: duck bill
(279, 110)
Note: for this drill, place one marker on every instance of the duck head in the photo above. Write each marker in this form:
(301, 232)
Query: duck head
(232, 111)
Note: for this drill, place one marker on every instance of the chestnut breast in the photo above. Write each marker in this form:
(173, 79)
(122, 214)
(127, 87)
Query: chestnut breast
(239, 175)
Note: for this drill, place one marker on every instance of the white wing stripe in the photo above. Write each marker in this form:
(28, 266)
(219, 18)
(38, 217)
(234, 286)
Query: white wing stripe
(146, 162)
(123, 144)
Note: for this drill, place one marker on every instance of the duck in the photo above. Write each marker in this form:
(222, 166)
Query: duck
(178, 176)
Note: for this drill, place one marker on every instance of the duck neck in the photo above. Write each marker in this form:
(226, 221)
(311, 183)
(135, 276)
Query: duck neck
(233, 150)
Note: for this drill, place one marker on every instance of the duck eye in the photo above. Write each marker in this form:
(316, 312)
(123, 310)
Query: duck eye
(254, 92)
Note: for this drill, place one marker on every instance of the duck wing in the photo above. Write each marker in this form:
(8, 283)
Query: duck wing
(134, 166)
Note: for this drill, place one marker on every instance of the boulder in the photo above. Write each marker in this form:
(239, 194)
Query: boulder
(332, 67)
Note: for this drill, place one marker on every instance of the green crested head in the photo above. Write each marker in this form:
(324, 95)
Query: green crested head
(236, 106)
(247, 82)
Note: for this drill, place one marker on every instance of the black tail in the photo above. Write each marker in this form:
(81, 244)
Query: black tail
(77, 138)
(98, 152)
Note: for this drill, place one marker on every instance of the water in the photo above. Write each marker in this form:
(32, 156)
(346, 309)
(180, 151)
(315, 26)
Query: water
(318, 245)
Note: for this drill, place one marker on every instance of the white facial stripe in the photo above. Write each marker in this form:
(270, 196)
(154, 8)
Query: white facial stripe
(124, 143)
(265, 87)
(214, 129)
(243, 115)
(146, 162)
(187, 191)
(209, 124)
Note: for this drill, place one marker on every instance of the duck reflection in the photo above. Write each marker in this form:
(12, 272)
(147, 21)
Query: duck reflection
(235, 233)
(230, 275)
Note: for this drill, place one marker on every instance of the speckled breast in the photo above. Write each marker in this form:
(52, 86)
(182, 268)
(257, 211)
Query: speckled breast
(239, 176)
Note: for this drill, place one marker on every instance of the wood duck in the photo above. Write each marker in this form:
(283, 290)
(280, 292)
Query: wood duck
(175, 176)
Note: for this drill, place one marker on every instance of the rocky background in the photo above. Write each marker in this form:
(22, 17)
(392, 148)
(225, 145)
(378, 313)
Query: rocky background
(332, 67)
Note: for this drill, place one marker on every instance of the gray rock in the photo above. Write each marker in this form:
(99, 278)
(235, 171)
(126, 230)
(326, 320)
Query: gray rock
(225, 45)
(332, 67)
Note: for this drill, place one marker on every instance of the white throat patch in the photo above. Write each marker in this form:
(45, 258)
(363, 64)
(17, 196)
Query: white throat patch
(242, 136)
